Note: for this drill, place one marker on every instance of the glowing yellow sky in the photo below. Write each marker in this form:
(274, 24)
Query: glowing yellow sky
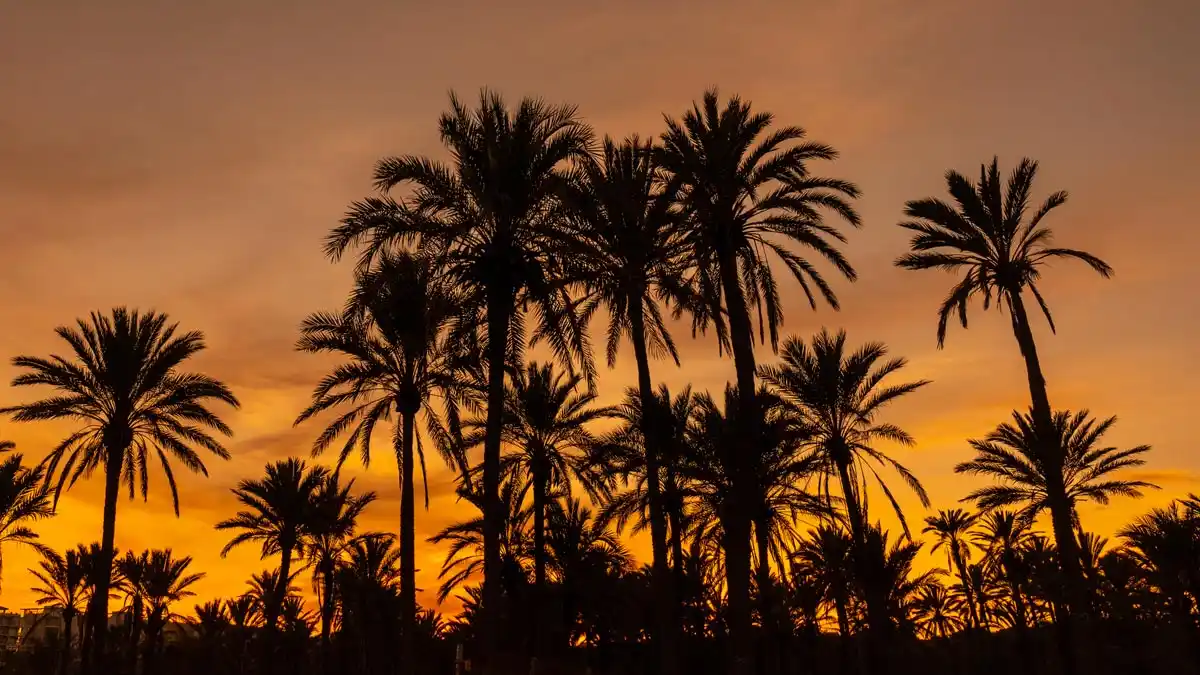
(189, 157)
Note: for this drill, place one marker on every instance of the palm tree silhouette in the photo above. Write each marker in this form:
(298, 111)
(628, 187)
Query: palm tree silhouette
(62, 579)
(746, 189)
(23, 500)
(824, 556)
(1011, 455)
(985, 236)
(399, 337)
(628, 256)
(1165, 545)
(331, 530)
(495, 218)
(950, 529)
(167, 581)
(937, 613)
(132, 569)
(1003, 536)
(125, 384)
(279, 510)
(546, 418)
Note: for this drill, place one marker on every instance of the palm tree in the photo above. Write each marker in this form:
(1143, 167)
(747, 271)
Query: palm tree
(546, 421)
(1011, 456)
(23, 500)
(984, 235)
(132, 569)
(280, 509)
(465, 557)
(839, 396)
(62, 587)
(166, 582)
(824, 556)
(1165, 544)
(937, 612)
(134, 403)
(402, 349)
(495, 218)
(329, 534)
(950, 528)
(1003, 537)
(628, 254)
(746, 189)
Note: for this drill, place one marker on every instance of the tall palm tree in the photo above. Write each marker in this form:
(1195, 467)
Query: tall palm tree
(629, 256)
(62, 588)
(280, 509)
(329, 534)
(400, 337)
(950, 528)
(495, 217)
(167, 581)
(985, 236)
(1011, 455)
(125, 386)
(746, 189)
(23, 500)
(547, 416)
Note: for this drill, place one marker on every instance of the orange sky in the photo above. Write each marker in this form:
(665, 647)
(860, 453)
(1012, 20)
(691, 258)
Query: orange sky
(189, 157)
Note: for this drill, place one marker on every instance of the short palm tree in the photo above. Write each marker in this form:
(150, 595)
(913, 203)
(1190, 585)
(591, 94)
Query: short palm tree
(628, 256)
(167, 581)
(985, 236)
(403, 351)
(824, 556)
(495, 217)
(327, 538)
(937, 613)
(23, 500)
(547, 415)
(746, 189)
(62, 587)
(950, 528)
(1011, 456)
(135, 404)
(280, 509)
(132, 569)
(1003, 537)
(1165, 544)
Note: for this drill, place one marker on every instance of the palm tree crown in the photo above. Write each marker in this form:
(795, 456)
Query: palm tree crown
(1010, 455)
(23, 500)
(985, 236)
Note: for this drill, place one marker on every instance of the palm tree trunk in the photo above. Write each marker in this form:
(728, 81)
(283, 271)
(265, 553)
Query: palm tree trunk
(878, 624)
(408, 570)
(94, 656)
(500, 307)
(540, 488)
(737, 552)
(843, 621)
(665, 602)
(766, 617)
(65, 654)
(1061, 515)
(327, 610)
(135, 632)
(961, 568)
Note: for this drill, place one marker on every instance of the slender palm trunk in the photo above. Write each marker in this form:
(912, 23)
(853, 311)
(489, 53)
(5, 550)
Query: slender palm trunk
(665, 599)
(500, 305)
(541, 486)
(737, 550)
(135, 632)
(677, 577)
(961, 568)
(878, 624)
(327, 609)
(843, 621)
(94, 656)
(408, 573)
(1061, 514)
(65, 654)
(768, 649)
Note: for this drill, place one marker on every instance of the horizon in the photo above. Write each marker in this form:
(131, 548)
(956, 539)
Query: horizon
(207, 196)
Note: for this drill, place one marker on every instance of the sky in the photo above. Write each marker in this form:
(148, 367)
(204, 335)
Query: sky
(190, 158)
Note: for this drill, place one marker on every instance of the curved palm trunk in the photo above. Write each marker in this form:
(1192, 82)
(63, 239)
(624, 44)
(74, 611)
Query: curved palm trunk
(540, 488)
(1060, 506)
(408, 573)
(737, 550)
(94, 656)
(666, 599)
(961, 567)
(500, 307)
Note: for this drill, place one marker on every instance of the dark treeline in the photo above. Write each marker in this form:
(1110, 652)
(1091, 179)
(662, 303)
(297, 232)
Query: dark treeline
(466, 336)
